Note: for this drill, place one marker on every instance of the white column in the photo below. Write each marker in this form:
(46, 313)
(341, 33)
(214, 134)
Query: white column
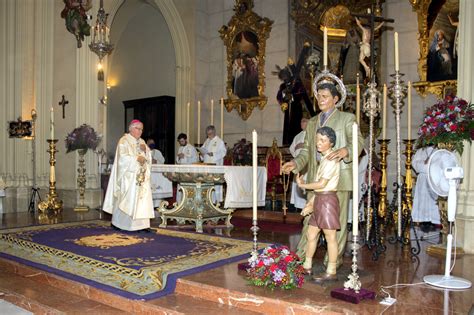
(465, 211)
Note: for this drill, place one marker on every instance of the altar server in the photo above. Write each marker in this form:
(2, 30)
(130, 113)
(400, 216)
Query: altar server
(213, 152)
(128, 196)
(187, 153)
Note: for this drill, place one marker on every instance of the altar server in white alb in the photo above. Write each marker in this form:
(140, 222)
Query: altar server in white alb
(156, 155)
(128, 196)
(213, 152)
(298, 195)
(187, 153)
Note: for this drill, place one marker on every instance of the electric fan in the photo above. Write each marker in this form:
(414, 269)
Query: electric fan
(444, 174)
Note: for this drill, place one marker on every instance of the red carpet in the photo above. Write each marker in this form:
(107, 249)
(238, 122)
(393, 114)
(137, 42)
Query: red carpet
(268, 226)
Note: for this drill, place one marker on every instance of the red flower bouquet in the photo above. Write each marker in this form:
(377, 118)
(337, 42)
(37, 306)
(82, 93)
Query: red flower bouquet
(276, 267)
(450, 121)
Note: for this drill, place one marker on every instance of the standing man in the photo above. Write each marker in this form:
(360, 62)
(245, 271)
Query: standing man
(156, 155)
(128, 196)
(187, 153)
(327, 97)
(213, 152)
(298, 195)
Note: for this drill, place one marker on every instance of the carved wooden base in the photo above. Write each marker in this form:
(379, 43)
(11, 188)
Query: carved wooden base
(196, 206)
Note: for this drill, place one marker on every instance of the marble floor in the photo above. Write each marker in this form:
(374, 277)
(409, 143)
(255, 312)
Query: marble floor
(224, 291)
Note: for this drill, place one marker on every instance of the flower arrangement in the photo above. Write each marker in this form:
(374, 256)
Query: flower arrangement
(449, 121)
(276, 267)
(82, 137)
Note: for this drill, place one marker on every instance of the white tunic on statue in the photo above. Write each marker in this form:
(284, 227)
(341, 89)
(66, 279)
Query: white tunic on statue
(131, 205)
(217, 147)
(190, 154)
(157, 156)
(298, 195)
(425, 208)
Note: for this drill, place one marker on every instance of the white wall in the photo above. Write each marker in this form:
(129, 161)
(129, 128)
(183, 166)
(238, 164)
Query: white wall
(142, 65)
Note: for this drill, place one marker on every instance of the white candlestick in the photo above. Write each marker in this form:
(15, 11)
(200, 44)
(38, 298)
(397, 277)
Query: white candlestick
(51, 123)
(384, 117)
(409, 110)
(358, 101)
(325, 46)
(355, 180)
(199, 123)
(254, 175)
(222, 118)
(212, 112)
(187, 119)
(397, 65)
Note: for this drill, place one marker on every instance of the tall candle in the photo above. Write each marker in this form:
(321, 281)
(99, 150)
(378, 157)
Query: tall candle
(397, 66)
(409, 110)
(51, 123)
(355, 180)
(212, 112)
(187, 119)
(222, 118)
(384, 113)
(325, 46)
(199, 123)
(358, 100)
(254, 175)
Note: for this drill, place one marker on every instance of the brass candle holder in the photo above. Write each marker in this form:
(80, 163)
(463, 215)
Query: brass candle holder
(407, 203)
(52, 202)
(383, 200)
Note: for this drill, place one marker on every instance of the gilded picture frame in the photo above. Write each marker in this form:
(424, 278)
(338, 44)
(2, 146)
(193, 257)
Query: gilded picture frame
(245, 37)
(436, 24)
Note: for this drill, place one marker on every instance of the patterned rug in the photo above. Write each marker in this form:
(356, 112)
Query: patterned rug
(135, 265)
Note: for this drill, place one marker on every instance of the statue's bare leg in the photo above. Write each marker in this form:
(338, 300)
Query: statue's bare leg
(364, 64)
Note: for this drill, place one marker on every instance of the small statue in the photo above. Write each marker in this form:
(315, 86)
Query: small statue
(365, 49)
(75, 15)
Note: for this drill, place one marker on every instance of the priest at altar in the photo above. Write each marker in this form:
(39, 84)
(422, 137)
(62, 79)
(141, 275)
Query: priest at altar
(128, 197)
(213, 152)
(187, 153)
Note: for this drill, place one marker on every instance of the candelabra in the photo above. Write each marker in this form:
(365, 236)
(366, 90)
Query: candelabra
(52, 201)
(397, 94)
(383, 201)
(371, 109)
(353, 281)
(254, 230)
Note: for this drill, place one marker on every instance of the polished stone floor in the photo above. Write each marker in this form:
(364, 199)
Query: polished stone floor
(224, 291)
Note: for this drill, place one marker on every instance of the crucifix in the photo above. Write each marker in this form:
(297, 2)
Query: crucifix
(369, 34)
(63, 102)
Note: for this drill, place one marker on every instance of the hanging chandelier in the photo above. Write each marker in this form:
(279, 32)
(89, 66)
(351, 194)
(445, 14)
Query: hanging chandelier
(101, 41)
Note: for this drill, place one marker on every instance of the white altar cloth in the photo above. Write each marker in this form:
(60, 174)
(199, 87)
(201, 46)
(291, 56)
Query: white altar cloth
(238, 179)
(161, 188)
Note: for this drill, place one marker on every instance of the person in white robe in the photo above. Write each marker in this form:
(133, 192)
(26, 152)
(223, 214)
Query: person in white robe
(128, 197)
(425, 208)
(187, 153)
(156, 155)
(298, 195)
(213, 151)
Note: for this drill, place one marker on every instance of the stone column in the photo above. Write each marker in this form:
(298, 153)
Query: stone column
(465, 210)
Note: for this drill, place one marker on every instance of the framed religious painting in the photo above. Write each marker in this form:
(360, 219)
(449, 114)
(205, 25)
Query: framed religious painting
(438, 40)
(245, 37)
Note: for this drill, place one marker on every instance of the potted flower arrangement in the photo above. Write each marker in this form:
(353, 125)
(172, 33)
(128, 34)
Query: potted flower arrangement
(276, 267)
(447, 123)
(83, 137)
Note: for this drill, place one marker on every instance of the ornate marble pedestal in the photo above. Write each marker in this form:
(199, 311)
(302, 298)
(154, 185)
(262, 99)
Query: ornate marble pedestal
(197, 185)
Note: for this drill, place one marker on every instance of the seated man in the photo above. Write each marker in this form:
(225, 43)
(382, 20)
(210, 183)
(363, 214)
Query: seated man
(156, 156)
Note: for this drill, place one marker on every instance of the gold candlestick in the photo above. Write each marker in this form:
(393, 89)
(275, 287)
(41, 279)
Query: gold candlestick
(407, 203)
(52, 202)
(383, 201)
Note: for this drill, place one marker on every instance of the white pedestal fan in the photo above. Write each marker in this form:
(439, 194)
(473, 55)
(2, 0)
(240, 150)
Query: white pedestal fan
(444, 175)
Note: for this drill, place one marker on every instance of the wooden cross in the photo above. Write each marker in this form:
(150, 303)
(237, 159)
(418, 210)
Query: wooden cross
(63, 103)
(372, 19)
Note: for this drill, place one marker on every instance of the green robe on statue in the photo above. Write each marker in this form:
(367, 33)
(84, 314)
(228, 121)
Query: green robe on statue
(342, 123)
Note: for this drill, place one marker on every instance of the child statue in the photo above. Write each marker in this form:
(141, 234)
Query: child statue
(325, 205)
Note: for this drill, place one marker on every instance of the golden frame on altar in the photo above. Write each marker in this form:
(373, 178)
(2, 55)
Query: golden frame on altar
(431, 19)
(244, 37)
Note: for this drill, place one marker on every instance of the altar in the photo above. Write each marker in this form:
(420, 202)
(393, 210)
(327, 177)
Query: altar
(197, 184)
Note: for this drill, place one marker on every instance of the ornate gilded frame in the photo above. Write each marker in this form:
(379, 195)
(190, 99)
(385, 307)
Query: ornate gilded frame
(245, 20)
(425, 87)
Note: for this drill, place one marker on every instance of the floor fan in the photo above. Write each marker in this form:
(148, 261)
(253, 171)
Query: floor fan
(444, 175)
